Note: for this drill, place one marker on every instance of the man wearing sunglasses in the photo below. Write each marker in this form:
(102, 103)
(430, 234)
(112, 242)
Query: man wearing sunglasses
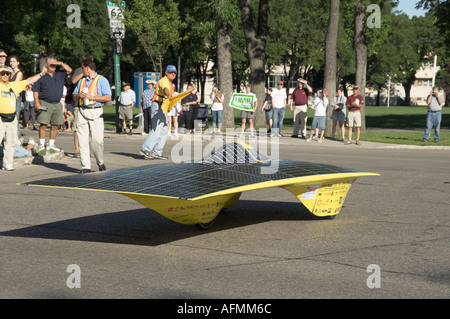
(8, 119)
(48, 92)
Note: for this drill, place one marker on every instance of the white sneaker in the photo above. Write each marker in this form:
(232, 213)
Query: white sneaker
(54, 148)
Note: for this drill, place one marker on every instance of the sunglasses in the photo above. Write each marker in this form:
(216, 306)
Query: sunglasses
(53, 65)
(5, 73)
(3, 56)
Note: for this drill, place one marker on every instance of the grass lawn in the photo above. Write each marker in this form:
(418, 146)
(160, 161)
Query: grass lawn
(396, 124)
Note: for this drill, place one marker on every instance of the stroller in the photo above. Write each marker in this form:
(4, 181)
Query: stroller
(203, 114)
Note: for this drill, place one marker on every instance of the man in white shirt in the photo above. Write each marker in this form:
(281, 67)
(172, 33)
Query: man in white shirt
(127, 100)
(279, 99)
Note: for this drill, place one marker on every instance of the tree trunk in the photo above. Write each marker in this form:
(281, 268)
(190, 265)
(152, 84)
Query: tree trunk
(331, 58)
(361, 56)
(256, 46)
(224, 67)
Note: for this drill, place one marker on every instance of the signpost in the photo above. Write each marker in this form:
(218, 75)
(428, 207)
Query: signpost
(117, 32)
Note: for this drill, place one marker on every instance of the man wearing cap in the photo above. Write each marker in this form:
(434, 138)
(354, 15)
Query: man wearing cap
(155, 141)
(354, 104)
(299, 106)
(127, 99)
(8, 119)
(279, 98)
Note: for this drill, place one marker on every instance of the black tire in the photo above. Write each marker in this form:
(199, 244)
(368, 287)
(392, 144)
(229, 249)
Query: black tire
(204, 226)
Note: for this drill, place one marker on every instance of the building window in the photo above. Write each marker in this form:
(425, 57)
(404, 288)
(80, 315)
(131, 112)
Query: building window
(273, 81)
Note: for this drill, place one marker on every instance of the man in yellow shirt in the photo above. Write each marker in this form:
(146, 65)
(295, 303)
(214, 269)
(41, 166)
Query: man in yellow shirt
(8, 119)
(158, 135)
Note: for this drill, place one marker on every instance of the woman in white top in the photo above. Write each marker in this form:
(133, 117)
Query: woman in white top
(217, 109)
(319, 106)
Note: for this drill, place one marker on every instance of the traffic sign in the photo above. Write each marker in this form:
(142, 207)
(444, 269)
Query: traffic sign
(116, 19)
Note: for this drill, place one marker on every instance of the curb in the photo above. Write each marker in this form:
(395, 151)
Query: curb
(51, 158)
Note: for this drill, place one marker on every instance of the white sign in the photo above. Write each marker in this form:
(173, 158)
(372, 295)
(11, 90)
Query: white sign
(116, 20)
(115, 12)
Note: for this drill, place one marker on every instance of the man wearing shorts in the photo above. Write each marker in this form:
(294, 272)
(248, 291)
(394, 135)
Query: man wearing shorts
(354, 104)
(48, 92)
(127, 100)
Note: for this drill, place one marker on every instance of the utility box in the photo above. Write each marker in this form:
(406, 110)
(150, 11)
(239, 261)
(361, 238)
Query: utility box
(140, 86)
(139, 83)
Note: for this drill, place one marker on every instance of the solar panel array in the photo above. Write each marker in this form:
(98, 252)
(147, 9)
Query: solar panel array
(186, 180)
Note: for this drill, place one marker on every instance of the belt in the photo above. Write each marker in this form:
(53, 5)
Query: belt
(91, 107)
(125, 105)
(299, 104)
(434, 111)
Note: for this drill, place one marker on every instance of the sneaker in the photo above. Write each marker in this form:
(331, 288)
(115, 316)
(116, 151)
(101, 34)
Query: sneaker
(8, 169)
(102, 167)
(160, 157)
(144, 134)
(54, 148)
(146, 154)
(130, 132)
(85, 171)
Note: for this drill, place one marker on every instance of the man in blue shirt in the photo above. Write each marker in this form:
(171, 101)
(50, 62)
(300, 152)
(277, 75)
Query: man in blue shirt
(48, 92)
(94, 92)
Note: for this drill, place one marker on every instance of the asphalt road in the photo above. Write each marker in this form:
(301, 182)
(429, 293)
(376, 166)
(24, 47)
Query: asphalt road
(267, 246)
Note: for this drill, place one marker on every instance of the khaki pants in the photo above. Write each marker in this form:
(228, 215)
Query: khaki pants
(8, 132)
(90, 131)
(300, 116)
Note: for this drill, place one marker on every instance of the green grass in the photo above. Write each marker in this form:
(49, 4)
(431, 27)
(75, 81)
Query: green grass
(396, 124)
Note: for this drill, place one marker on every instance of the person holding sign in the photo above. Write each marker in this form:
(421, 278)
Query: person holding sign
(249, 114)
(154, 144)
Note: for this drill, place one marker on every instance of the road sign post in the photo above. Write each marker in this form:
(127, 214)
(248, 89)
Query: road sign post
(117, 31)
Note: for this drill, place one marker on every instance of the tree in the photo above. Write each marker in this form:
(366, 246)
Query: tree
(361, 55)
(224, 13)
(330, 56)
(157, 27)
(256, 37)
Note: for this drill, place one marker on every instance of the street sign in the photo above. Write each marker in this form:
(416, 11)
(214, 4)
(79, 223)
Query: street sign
(115, 12)
(116, 20)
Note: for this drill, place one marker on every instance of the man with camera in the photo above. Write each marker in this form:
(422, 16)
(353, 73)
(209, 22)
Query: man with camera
(434, 115)
(299, 105)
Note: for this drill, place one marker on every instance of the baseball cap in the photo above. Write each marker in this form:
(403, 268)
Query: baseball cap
(171, 68)
(6, 68)
(355, 87)
(280, 82)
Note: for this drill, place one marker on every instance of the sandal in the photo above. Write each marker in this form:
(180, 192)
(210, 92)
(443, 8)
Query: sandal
(348, 142)
(357, 142)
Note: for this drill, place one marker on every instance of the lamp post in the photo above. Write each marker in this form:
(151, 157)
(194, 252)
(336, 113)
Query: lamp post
(35, 56)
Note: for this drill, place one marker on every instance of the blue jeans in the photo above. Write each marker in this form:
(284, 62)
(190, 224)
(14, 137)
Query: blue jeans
(158, 135)
(278, 117)
(217, 117)
(433, 120)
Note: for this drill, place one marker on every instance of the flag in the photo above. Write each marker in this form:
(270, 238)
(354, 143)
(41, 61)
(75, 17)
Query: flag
(169, 103)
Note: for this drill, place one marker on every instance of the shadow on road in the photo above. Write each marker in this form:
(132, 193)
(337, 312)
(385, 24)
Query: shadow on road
(148, 228)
